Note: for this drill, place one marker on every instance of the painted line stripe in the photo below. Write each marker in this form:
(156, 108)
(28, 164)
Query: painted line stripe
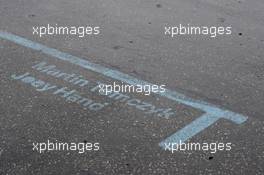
(212, 113)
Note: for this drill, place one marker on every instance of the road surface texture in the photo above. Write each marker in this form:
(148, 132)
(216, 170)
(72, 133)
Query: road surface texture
(210, 77)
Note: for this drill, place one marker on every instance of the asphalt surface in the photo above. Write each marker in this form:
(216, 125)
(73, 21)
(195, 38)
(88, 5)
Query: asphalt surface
(226, 71)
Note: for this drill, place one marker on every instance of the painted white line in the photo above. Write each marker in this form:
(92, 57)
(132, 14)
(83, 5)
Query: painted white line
(212, 113)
